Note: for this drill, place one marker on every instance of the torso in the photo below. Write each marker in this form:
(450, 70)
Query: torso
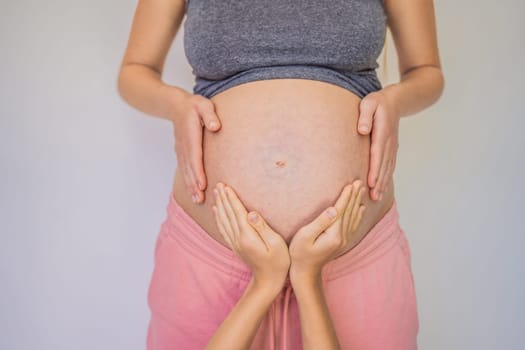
(287, 147)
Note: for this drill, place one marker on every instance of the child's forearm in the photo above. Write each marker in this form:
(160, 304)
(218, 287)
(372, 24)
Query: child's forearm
(239, 328)
(316, 324)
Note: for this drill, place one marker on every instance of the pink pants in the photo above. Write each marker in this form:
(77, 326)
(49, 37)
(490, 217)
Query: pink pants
(197, 281)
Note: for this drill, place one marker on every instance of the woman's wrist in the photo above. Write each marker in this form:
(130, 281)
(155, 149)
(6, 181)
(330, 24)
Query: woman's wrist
(172, 97)
(417, 90)
(393, 94)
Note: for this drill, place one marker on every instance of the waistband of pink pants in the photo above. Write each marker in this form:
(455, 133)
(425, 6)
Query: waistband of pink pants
(379, 240)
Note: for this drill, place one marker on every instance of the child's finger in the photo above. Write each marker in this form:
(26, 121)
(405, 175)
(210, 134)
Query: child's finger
(348, 209)
(332, 232)
(356, 209)
(355, 196)
(335, 231)
(241, 215)
(357, 221)
(223, 217)
(229, 210)
(355, 202)
(222, 230)
(238, 208)
(322, 222)
(343, 198)
(267, 235)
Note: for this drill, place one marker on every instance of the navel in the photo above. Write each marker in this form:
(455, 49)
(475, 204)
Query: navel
(280, 163)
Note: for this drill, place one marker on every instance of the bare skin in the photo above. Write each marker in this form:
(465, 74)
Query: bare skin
(362, 154)
(270, 260)
(155, 24)
(371, 153)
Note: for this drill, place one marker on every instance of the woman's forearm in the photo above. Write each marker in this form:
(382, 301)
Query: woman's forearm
(239, 328)
(418, 89)
(316, 323)
(142, 87)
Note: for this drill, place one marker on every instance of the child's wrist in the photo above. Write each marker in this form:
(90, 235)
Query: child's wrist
(269, 288)
(305, 277)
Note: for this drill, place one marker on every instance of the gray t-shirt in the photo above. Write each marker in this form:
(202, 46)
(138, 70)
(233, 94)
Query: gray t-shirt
(230, 42)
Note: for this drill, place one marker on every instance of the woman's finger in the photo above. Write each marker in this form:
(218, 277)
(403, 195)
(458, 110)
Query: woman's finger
(194, 132)
(380, 186)
(188, 176)
(392, 152)
(198, 194)
(367, 106)
(376, 158)
(394, 160)
(388, 173)
(208, 116)
(391, 169)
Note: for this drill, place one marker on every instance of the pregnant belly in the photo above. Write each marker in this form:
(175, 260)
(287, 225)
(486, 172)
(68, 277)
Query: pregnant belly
(287, 147)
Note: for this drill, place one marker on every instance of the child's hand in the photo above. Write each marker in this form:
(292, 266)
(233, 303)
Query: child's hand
(256, 243)
(327, 236)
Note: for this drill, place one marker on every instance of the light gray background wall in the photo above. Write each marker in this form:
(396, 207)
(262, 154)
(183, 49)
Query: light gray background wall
(85, 180)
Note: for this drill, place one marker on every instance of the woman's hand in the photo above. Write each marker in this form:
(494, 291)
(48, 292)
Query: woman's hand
(255, 242)
(379, 114)
(327, 236)
(189, 117)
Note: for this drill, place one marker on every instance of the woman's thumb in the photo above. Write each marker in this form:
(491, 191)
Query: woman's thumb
(209, 118)
(367, 109)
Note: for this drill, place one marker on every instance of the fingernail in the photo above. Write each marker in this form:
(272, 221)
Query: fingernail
(253, 217)
(199, 184)
(215, 192)
(213, 125)
(194, 198)
(331, 212)
(362, 127)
